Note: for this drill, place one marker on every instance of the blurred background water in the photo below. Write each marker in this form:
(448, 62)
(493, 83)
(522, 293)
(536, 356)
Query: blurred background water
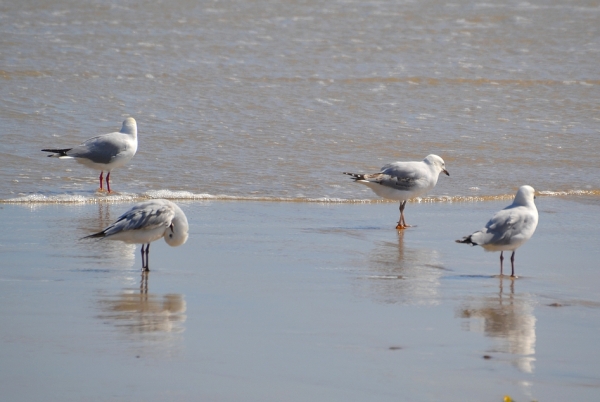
(274, 99)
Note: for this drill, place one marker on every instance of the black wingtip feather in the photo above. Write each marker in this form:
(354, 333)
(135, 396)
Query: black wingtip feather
(60, 152)
(95, 235)
(355, 176)
(466, 240)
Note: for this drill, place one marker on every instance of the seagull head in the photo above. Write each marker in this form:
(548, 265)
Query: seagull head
(177, 233)
(525, 195)
(129, 126)
(436, 161)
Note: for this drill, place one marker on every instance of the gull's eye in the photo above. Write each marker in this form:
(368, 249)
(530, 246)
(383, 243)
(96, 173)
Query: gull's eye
(171, 235)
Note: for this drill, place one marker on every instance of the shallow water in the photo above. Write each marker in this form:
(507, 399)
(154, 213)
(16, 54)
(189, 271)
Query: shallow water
(287, 301)
(270, 99)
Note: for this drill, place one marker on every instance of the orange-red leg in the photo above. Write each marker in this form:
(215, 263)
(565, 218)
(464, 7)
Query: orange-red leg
(402, 223)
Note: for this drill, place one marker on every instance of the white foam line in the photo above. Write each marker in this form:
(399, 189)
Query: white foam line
(186, 195)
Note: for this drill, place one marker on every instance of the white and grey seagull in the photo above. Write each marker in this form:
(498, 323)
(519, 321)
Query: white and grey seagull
(509, 228)
(146, 222)
(104, 152)
(404, 180)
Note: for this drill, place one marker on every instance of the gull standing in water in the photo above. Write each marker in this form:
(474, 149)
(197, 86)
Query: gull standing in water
(509, 228)
(104, 152)
(404, 180)
(148, 221)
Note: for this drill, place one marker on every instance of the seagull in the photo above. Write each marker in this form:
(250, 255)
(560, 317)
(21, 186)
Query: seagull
(104, 152)
(148, 221)
(404, 180)
(509, 228)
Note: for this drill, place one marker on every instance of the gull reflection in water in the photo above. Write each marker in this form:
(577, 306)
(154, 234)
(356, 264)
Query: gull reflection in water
(140, 313)
(400, 274)
(508, 319)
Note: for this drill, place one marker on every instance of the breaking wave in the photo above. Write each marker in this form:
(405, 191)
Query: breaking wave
(93, 198)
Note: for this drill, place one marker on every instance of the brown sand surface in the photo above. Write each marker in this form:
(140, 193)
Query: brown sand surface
(294, 301)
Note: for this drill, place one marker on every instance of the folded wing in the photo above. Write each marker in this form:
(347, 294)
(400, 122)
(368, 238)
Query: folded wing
(145, 216)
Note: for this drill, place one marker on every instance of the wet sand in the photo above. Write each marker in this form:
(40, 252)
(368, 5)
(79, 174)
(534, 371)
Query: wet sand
(296, 301)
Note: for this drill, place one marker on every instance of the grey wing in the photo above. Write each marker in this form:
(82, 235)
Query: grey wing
(144, 216)
(400, 175)
(100, 149)
(504, 226)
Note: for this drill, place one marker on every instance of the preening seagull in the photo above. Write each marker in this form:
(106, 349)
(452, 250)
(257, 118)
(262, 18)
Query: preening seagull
(509, 228)
(404, 180)
(104, 152)
(148, 221)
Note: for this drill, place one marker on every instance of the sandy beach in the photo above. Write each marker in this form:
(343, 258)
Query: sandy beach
(294, 285)
(276, 301)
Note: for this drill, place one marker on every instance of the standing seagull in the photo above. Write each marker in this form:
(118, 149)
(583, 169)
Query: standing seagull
(104, 152)
(404, 180)
(148, 221)
(509, 228)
